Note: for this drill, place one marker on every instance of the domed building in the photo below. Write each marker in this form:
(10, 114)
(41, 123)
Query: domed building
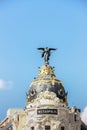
(46, 106)
(46, 81)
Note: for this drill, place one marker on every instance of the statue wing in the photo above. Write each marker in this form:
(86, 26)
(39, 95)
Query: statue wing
(41, 49)
(52, 49)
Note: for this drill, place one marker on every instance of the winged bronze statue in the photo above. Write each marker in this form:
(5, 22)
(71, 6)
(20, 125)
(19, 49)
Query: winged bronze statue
(46, 52)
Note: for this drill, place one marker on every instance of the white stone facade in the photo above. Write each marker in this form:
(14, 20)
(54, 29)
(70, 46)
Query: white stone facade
(45, 113)
(65, 119)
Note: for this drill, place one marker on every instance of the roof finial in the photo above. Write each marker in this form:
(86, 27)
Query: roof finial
(46, 52)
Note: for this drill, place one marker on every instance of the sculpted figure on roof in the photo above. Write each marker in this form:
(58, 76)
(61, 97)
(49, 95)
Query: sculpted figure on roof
(46, 52)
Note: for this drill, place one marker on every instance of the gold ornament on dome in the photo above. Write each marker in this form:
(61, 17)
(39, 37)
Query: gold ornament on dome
(40, 81)
(46, 70)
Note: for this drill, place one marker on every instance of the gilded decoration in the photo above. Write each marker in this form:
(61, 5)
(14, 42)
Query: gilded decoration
(46, 70)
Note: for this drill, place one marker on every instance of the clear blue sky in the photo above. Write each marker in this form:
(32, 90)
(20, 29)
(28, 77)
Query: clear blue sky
(28, 24)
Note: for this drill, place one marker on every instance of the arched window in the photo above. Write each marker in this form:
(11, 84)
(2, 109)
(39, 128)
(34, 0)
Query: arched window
(32, 128)
(62, 128)
(47, 127)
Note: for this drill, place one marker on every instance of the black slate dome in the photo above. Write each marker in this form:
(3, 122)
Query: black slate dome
(46, 81)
